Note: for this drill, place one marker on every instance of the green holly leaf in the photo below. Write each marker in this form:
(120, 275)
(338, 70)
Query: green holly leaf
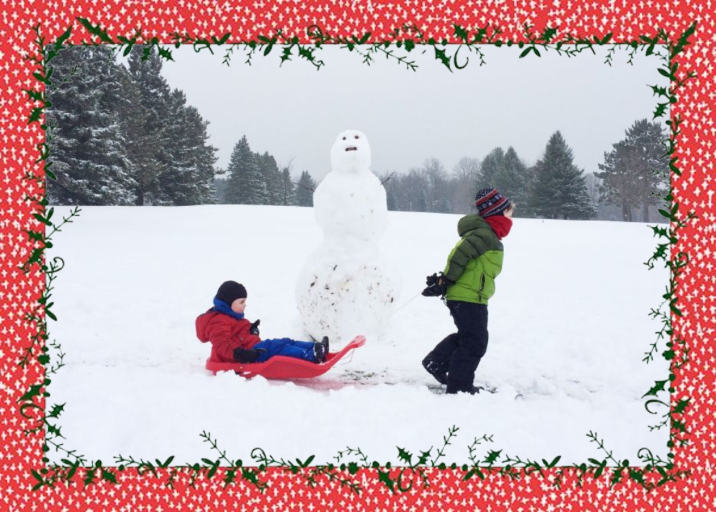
(440, 54)
(460, 32)
(404, 455)
(658, 387)
(384, 477)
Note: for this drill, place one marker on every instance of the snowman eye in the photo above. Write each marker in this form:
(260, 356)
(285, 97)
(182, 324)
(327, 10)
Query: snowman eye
(344, 138)
(357, 137)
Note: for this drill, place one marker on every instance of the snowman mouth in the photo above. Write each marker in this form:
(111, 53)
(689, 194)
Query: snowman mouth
(352, 148)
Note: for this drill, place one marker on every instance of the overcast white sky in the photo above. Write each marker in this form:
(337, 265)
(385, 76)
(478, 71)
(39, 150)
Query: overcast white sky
(295, 111)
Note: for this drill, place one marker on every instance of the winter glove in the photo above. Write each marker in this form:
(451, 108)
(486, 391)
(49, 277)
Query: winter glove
(436, 285)
(243, 355)
(254, 329)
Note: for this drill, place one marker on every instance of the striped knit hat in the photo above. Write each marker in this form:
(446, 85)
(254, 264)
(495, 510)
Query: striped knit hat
(488, 201)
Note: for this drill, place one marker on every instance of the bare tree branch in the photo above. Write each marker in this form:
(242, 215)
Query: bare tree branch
(303, 187)
(388, 178)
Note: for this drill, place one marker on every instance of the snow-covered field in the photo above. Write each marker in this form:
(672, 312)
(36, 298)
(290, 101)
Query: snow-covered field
(568, 326)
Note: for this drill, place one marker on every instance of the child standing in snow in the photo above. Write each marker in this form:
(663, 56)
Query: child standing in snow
(235, 339)
(467, 283)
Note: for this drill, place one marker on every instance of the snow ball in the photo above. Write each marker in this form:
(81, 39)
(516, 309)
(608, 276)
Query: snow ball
(350, 152)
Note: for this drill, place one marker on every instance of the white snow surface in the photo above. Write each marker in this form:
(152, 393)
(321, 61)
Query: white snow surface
(568, 327)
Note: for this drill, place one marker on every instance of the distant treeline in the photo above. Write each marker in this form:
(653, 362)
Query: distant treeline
(255, 178)
(553, 188)
(121, 136)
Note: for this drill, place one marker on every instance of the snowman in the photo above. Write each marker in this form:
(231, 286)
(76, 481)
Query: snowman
(346, 288)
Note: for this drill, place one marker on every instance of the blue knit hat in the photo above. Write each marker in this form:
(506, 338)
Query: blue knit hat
(488, 201)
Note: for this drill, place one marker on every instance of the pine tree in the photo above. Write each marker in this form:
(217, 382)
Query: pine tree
(645, 161)
(526, 208)
(188, 178)
(304, 190)
(614, 182)
(560, 189)
(513, 180)
(506, 172)
(245, 184)
(87, 149)
(151, 126)
(272, 177)
(422, 204)
(204, 157)
(139, 145)
(288, 193)
(232, 191)
(492, 166)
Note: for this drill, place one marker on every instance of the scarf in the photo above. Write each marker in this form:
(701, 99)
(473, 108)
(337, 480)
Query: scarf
(222, 307)
(500, 224)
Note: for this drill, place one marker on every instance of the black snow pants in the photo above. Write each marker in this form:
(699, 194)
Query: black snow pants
(461, 352)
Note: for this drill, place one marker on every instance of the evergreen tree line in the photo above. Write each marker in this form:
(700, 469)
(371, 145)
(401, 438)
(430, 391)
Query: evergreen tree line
(633, 173)
(553, 188)
(255, 178)
(121, 136)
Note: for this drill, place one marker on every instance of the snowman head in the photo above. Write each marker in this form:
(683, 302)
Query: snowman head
(350, 152)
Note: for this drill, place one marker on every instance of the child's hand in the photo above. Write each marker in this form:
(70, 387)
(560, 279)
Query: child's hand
(437, 285)
(254, 329)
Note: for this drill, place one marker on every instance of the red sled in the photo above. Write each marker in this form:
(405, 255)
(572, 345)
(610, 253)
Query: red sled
(283, 367)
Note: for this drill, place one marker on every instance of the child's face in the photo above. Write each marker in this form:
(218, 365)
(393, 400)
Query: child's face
(509, 212)
(238, 305)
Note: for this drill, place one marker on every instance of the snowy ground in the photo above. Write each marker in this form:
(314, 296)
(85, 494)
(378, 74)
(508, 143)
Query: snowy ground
(568, 329)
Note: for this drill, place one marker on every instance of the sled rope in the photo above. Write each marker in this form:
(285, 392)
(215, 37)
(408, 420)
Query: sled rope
(406, 303)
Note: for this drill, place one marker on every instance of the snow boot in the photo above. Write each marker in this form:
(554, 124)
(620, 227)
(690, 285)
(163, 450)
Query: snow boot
(320, 350)
(473, 390)
(436, 369)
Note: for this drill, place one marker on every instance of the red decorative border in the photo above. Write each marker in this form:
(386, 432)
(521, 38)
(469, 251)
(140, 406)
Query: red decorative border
(246, 19)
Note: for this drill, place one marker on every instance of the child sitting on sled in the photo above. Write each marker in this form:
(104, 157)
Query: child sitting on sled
(236, 340)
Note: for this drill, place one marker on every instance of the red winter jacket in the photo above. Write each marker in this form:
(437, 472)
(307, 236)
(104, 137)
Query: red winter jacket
(225, 334)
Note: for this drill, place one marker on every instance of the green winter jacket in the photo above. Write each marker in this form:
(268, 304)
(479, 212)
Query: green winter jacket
(475, 261)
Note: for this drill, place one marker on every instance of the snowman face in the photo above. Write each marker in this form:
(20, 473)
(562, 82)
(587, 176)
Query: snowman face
(350, 152)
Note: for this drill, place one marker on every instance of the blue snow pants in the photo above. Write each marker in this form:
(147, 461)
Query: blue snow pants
(285, 347)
